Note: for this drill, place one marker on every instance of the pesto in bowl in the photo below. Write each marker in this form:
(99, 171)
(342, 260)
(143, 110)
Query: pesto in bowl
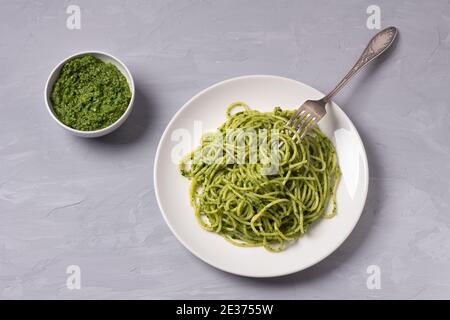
(89, 94)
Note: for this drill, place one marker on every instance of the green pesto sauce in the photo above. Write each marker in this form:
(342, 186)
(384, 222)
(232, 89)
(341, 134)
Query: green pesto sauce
(89, 94)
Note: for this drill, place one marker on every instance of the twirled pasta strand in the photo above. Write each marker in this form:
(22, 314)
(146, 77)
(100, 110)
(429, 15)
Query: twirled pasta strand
(249, 208)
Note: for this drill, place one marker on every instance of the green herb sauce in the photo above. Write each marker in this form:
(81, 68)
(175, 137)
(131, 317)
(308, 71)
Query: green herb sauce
(89, 94)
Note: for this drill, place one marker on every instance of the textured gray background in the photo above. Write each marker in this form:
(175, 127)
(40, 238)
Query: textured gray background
(65, 200)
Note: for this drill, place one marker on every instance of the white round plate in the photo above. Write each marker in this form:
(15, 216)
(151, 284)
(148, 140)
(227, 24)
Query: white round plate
(205, 112)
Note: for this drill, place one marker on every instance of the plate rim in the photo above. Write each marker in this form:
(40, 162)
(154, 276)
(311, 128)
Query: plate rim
(206, 259)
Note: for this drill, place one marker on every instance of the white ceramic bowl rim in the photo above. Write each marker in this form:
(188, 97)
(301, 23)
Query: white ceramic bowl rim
(100, 131)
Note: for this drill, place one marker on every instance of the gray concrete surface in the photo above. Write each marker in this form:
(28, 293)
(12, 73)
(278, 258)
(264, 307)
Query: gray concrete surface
(65, 200)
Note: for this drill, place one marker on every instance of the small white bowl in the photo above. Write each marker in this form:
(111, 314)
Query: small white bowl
(96, 133)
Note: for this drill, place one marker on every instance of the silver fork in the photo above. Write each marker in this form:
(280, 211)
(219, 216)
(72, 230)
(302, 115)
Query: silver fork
(311, 111)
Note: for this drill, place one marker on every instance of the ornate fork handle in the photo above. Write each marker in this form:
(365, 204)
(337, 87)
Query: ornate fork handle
(377, 45)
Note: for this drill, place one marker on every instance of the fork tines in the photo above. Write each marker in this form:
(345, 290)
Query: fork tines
(303, 121)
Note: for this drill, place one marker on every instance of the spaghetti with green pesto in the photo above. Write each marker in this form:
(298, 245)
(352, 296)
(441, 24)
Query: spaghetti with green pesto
(242, 202)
